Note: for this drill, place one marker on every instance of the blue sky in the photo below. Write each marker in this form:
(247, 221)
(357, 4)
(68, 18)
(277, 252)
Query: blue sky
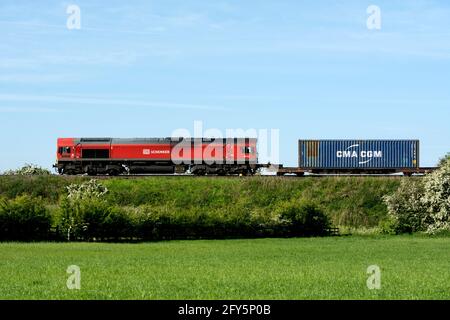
(145, 68)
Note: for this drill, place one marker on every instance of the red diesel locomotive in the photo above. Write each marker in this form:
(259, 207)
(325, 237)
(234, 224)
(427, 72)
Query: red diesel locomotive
(198, 156)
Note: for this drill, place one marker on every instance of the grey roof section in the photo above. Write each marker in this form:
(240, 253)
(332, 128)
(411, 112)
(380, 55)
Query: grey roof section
(92, 140)
(155, 140)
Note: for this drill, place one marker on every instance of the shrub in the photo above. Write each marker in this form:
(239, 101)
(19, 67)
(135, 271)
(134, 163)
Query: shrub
(24, 218)
(86, 190)
(118, 224)
(422, 205)
(146, 220)
(407, 212)
(304, 219)
(444, 160)
(93, 219)
(437, 198)
(86, 215)
(28, 170)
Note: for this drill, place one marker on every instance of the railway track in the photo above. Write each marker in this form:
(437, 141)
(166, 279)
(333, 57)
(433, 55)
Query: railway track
(286, 173)
(420, 173)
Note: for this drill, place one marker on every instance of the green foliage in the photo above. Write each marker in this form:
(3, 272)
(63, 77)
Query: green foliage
(437, 198)
(304, 219)
(163, 222)
(28, 170)
(444, 160)
(93, 219)
(24, 218)
(50, 188)
(348, 201)
(86, 190)
(86, 215)
(422, 205)
(407, 212)
(179, 207)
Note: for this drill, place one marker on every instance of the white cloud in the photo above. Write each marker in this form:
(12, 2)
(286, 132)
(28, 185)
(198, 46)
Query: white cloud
(102, 101)
(36, 78)
(29, 110)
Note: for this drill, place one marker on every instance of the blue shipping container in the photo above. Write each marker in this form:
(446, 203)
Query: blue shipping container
(358, 154)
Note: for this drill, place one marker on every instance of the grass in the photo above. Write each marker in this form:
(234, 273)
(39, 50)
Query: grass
(348, 201)
(413, 267)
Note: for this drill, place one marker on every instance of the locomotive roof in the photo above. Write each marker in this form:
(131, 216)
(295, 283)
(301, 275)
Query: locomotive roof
(151, 140)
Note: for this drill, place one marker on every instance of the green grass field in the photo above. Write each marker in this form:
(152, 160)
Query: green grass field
(413, 267)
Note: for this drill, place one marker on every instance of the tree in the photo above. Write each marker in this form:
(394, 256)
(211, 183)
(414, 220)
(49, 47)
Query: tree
(422, 205)
(437, 198)
(444, 160)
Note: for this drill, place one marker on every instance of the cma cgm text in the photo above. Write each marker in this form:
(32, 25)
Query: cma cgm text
(362, 154)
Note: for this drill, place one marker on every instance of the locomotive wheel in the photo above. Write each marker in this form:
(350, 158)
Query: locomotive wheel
(91, 173)
(113, 172)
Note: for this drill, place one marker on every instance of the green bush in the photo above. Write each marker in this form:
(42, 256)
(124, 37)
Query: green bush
(86, 190)
(436, 198)
(147, 222)
(304, 219)
(24, 218)
(118, 224)
(28, 170)
(93, 219)
(422, 205)
(444, 160)
(165, 222)
(85, 214)
(407, 213)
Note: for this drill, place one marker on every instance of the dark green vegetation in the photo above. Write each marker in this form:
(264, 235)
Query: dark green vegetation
(24, 218)
(348, 201)
(162, 208)
(412, 267)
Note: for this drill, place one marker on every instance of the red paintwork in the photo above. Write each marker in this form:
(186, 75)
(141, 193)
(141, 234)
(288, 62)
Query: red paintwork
(166, 151)
(65, 142)
(216, 152)
(141, 151)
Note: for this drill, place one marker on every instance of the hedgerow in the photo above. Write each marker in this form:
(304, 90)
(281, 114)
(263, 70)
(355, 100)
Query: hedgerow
(24, 218)
(86, 213)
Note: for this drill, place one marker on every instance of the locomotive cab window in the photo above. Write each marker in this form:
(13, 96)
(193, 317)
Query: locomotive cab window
(62, 150)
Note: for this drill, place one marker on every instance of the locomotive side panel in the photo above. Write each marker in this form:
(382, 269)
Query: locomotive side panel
(155, 155)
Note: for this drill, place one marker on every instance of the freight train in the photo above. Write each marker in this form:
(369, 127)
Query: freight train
(202, 156)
